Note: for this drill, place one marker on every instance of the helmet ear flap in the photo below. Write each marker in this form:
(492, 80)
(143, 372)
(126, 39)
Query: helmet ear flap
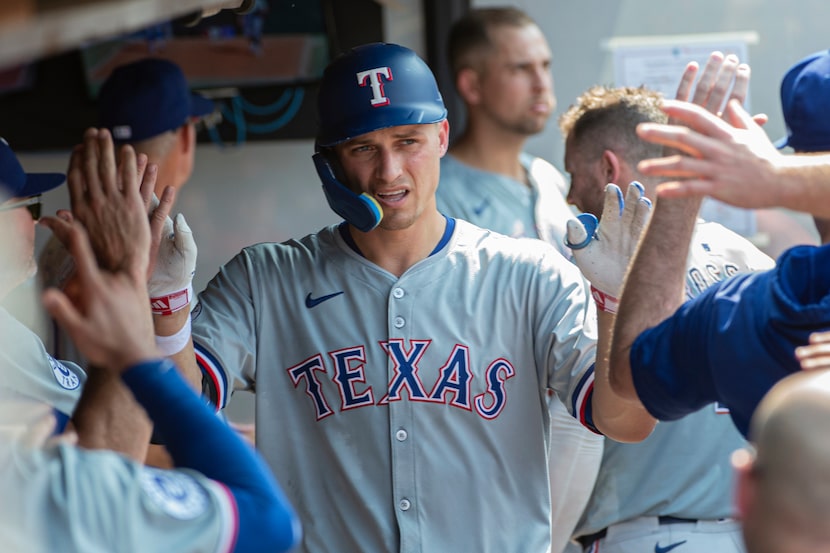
(359, 210)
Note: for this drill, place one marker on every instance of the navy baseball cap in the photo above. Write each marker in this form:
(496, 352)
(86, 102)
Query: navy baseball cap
(145, 98)
(16, 183)
(805, 101)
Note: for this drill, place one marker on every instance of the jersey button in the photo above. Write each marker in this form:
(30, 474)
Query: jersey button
(404, 504)
(401, 435)
(399, 322)
(398, 293)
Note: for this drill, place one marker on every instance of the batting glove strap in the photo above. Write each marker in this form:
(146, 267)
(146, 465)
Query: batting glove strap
(605, 302)
(170, 303)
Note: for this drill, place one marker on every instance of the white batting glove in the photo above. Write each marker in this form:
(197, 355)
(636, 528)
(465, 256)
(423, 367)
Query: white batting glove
(602, 251)
(171, 284)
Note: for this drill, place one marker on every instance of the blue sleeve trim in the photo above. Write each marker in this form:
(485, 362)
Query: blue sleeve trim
(214, 379)
(582, 400)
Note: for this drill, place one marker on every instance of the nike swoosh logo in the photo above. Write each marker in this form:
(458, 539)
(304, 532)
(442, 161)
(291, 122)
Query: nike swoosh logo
(658, 549)
(314, 302)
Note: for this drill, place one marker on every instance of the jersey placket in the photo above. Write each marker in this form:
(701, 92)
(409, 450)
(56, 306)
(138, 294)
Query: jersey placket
(401, 422)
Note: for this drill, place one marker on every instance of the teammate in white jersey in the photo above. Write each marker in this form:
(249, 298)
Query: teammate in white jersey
(59, 497)
(402, 360)
(501, 64)
(676, 486)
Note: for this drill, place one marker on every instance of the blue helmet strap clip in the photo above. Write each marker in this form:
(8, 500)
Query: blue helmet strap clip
(361, 211)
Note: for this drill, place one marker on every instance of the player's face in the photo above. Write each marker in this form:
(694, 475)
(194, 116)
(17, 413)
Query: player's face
(399, 167)
(516, 84)
(21, 250)
(587, 191)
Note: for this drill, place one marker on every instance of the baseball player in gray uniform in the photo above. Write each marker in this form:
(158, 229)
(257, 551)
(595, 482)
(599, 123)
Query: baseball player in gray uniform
(402, 360)
(674, 489)
(66, 498)
(33, 373)
(501, 63)
(533, 210)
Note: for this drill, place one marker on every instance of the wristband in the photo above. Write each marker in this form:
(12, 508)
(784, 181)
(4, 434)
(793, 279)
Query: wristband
(173, 344)
(605, 302)
(170, 303)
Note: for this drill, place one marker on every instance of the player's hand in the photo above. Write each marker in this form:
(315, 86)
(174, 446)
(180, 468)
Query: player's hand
(170, 281)
(108, 318)
(730, 159)
(602, 252)
(815, 355)
(105, 197)
(723, 78)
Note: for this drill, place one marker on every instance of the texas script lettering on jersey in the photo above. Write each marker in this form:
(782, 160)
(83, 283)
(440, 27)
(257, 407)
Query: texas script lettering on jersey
(452, 387)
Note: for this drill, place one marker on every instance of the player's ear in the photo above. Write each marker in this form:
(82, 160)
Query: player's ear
(444, 136)
(610, 166)
(185, 152)
(745, 482)
(468, 85)
(186, 138)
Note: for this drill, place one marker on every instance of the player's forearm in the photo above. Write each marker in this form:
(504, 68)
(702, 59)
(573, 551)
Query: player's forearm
(180, 349)
(194, 433)
(653, 287)
(108, 417)
(618, 417)
(803, 184)
(199, 440)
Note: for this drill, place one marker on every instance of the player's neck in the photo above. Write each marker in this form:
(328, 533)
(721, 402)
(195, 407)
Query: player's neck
(499, 154)
(398, 250)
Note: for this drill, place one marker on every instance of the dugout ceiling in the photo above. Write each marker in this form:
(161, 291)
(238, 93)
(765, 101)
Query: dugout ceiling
(259, 59)
(261, 62)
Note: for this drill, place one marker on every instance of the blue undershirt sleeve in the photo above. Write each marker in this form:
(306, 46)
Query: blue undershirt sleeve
(197, 439)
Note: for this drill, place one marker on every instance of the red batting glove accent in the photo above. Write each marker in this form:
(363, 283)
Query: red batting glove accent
(169, 304)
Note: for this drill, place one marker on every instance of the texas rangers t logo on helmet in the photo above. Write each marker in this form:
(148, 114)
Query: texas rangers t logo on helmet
(374, 75)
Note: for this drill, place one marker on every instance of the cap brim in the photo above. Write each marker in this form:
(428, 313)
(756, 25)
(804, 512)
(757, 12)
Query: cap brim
(38, 183)
(782, 142)
(200, 106)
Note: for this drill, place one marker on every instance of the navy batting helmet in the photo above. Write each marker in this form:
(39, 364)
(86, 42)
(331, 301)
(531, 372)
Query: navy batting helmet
(373, 87)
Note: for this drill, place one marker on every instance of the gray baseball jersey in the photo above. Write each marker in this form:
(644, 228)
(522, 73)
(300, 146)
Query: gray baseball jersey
(69, 499)
(29, 371)
(502, 204)
(683, 469)
(405, 413)
(493, 201)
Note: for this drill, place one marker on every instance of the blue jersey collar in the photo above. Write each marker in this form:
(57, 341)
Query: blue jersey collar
(449, 228)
